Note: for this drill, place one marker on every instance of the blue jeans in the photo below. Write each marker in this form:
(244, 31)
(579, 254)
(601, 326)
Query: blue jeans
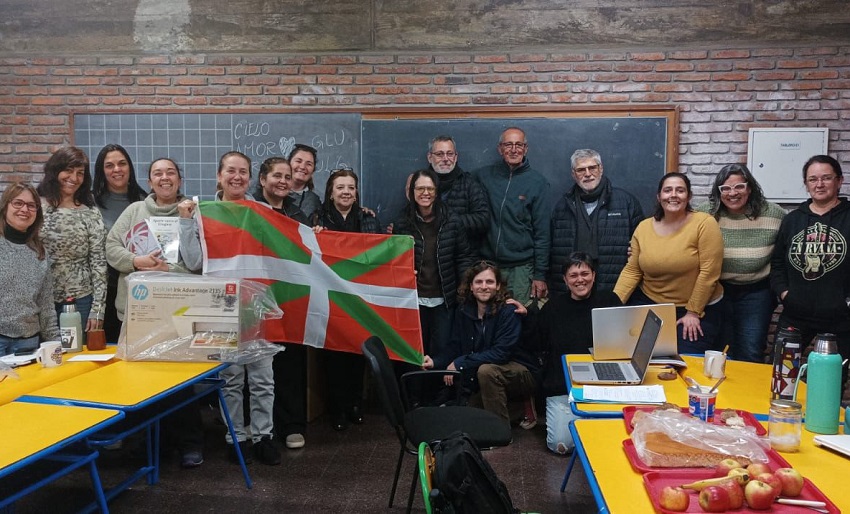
(746, 317)
(83, 307)
(558, 417)
(709, 323)
(10, 345)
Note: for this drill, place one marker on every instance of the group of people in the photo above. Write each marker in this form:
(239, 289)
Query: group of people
(487, 249)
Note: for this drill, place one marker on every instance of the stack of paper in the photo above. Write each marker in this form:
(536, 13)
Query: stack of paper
(619, 394)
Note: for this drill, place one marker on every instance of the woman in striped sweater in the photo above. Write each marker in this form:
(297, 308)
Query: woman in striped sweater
(749, 225)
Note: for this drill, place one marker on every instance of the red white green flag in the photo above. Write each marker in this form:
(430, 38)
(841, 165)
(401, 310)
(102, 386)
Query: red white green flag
(335, 288)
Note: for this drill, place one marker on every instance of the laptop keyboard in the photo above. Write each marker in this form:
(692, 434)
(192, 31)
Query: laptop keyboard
(608, 371)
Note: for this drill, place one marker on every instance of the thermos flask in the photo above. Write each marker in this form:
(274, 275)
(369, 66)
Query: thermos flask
(823, 392)
(786, 363)
(71, 327)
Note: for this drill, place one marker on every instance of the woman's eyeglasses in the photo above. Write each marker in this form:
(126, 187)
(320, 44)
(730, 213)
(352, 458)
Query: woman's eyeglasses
(740, 187)
(20, 204)
(425, 189)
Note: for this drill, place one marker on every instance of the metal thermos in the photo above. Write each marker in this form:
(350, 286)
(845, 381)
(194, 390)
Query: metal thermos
(787, 351)
(823, 392)
(71, 327)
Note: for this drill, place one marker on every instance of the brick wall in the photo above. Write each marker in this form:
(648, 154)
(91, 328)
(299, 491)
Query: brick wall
(720, 93)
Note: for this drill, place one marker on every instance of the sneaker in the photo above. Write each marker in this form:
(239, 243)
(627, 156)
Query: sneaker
(266, 452)
(244, 447)
(294, 441)
(530, 419)
(191, 459)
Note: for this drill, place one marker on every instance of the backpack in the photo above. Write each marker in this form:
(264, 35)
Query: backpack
(463, 482)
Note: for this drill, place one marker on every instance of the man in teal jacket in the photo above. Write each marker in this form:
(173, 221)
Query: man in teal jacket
(518, 236)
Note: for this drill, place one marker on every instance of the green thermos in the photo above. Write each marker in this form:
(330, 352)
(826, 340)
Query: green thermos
(823, 392)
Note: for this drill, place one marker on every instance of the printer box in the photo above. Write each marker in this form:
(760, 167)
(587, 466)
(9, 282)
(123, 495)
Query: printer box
(182, 317)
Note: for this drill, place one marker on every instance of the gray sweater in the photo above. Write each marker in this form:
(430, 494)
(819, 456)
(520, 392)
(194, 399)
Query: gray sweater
(26, 294)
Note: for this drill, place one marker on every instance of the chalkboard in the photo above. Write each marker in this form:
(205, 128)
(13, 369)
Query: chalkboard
(637, 145)
(633, 149)
(197, 140)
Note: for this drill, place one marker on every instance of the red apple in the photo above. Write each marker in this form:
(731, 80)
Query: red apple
(741, 475)
(736, 493)
(674, 498)
(792, 481)
(757, 468)
(714, 499)
(771, 480)
(725, 466)
(759, 495)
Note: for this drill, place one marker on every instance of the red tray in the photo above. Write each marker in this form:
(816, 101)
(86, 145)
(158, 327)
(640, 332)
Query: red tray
(655, 481)
(749, 419)
(774, 460)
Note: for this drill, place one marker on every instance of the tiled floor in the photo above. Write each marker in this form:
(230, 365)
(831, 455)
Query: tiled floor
(348, 471)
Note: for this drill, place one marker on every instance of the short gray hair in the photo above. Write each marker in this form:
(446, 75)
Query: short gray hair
(585, 153)
(441, 139)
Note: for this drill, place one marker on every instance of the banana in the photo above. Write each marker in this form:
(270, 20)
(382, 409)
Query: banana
(699, 485)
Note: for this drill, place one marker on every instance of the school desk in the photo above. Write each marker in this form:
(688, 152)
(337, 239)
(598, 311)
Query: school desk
(146, 392)
(747, 387)
(33, 432)
(617, 488)
(34, 376)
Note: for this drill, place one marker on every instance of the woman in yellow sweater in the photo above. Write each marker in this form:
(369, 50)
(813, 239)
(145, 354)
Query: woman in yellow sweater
(676, 258)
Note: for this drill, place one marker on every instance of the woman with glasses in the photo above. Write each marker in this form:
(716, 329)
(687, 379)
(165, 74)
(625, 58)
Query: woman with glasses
(441, 255)
(810, 268)
(676, 258)
(27, 315)
(74, 235)
(749, 225)
(341, 212)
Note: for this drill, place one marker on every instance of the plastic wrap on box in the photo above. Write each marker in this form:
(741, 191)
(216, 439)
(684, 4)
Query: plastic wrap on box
(668, 438)
(182, 317)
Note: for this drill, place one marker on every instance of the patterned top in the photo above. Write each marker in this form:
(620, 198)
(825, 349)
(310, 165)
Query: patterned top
(75, 241)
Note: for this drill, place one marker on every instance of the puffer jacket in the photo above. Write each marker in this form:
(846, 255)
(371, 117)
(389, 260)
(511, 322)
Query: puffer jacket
(468, 203)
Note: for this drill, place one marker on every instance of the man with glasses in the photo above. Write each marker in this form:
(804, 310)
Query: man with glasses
(595, 218)
(460, 191)
(518, 235)
(810, 268)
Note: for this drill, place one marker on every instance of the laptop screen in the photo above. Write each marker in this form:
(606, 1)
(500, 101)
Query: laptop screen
(646, 342)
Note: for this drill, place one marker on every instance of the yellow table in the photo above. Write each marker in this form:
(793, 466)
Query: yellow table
(34, 376)
(32, 432)
(747, 387)
(617, 488)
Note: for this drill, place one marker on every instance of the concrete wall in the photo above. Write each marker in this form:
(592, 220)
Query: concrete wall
(728, 66)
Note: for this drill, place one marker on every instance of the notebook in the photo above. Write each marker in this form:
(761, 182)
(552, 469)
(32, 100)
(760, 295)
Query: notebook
(622, 372)
(615, 330)
(839, 443)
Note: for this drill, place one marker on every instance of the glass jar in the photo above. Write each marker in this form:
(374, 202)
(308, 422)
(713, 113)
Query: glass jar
(785, 425)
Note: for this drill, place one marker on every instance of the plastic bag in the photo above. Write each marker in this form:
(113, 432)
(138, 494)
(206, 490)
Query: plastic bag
(182, 317)
(6, 371)
(667, 438)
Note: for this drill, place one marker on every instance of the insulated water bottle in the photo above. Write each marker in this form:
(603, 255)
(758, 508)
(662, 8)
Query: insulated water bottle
(71, 327)
(823, 392)
(786, 363)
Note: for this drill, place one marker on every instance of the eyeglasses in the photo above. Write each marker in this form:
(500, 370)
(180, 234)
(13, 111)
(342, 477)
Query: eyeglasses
(826, 179)
(740, 187)
(442, 155)
(518, 146)
(592, 169)
(20, 204)
(425, 189)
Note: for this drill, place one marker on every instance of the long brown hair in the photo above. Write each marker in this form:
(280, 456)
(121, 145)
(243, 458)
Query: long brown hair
(464, 292)
(33, 240)
(67, 157)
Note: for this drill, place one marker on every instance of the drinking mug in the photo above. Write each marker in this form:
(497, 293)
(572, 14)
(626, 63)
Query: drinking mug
(49, 354)
(714, 364)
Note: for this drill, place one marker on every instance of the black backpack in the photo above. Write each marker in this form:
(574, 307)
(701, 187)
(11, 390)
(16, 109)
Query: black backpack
(463, 482)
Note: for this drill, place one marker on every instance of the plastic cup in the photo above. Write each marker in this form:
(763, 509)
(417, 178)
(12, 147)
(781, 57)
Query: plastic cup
(701, 403)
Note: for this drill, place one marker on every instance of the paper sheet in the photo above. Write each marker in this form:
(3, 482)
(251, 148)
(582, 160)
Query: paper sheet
(92, 357)
(620, 394)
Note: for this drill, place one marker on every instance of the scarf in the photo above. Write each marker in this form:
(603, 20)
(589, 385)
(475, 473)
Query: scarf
(587, 230)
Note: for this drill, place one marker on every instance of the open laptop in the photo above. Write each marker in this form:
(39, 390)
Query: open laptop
(622, 372)
(615, 329)
(839, 443)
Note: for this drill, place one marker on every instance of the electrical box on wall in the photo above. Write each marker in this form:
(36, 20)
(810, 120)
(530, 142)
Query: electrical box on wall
(776, 157)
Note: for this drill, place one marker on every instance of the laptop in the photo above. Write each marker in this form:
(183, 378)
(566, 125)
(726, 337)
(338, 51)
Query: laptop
(615, 329)
(622, 372)
(839, 443)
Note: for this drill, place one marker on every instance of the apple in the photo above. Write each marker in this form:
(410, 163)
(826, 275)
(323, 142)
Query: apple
(759, 495)
(736, 493)
(674, 498)
(714, 499)
(741, 475)
(757, 468)
(771, 480)
(725, 466)
(792, 481)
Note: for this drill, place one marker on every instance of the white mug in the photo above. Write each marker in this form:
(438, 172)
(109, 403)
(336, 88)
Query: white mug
(49, 354)
(714, 365)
